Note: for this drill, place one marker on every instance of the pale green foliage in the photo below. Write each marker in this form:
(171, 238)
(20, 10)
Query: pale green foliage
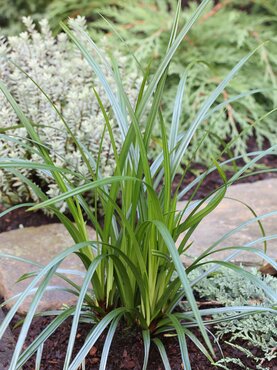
(259, 330)
(67, 79)
(215, 44)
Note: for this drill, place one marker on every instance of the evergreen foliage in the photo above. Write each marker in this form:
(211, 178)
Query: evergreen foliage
(257, 331)
(222, 36)
(217, 42)
(12, 11)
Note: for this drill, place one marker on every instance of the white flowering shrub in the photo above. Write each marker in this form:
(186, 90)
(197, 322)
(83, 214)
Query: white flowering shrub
(60, 70)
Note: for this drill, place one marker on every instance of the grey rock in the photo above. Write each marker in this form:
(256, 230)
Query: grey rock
(41, 245)
(262, 197)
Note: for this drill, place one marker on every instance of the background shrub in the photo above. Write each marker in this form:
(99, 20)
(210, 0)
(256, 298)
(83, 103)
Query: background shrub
(226, 33)
(221, 38)
(61, 71)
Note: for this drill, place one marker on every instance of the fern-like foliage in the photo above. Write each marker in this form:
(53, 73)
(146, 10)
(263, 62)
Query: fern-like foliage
(221, 38)
(258, 331)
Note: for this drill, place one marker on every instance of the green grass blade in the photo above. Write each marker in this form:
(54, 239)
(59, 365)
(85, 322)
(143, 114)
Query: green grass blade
(94, 335)
(204, 109)
(233, 231)
(168, 57)
(199, 345)
(162, 352)
(83, 188)
(39, 357)
(98, 71)
(58, 259)
(182, 341)
(183, 278)
(42, 337)
(108, 342)
(177, 109)
(77, 313)
(31, 311)
(146, 342)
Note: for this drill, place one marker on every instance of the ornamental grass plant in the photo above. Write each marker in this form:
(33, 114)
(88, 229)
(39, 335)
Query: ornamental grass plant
(134, 272)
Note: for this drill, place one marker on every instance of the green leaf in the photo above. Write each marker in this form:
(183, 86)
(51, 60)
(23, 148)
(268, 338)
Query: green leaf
(163, 354)
(183, 278)
(94, 335)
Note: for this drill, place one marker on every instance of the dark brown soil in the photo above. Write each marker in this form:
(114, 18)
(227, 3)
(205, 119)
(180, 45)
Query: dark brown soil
(127, 350)
(14, 219)
(213, 180)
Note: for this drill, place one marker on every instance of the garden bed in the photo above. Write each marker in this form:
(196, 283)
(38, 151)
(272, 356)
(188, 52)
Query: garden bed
(127, 350)
(133, 269)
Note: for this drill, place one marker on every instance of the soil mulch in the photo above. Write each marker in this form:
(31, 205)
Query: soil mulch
(127, 350)
(15, 219)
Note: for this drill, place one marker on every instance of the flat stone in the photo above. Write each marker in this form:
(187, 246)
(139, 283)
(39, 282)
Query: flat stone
(41, 245)
(262, 197)
(7, 345)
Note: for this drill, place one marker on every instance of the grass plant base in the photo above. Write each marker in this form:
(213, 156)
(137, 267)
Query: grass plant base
(127, 350)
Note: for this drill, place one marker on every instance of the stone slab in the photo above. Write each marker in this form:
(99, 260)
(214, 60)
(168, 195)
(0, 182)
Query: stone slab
(262, 197)
(39, 244)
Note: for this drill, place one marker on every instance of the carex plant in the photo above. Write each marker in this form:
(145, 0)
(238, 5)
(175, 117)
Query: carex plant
(134, 272)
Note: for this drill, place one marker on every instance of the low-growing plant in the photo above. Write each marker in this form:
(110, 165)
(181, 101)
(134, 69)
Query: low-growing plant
(134, 265)
(257, 331)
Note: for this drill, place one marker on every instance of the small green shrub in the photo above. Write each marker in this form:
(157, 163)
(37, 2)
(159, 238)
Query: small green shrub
(133, 265)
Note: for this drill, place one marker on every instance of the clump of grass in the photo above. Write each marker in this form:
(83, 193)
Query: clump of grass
(134, 264)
